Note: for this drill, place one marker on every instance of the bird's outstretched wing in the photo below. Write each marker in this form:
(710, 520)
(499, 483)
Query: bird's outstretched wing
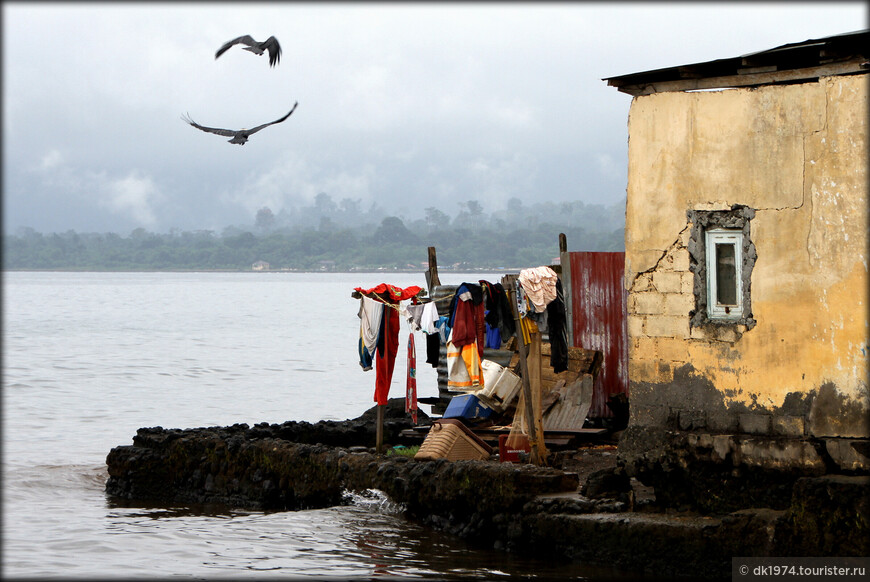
(271, 45)
(259, 127)
(246, 39)
(225, 132)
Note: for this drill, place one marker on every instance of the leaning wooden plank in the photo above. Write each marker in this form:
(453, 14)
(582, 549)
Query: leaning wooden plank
(578, 431)
(570, 410)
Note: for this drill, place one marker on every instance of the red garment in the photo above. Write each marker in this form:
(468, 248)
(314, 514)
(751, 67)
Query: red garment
(390, 293)
(411, 386)
(464, 329)
(385, 360)
(480, 326)
(388, 344)
(469, 325)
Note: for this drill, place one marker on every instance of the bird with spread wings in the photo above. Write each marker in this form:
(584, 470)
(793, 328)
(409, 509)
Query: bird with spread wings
(258, 48)
(239, 136)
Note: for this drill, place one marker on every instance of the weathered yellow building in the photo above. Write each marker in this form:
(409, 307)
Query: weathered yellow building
(746, 265)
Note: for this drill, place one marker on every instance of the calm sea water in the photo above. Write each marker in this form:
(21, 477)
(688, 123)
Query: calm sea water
(88, 358)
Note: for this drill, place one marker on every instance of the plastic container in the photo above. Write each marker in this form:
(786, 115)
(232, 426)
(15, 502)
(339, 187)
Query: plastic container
(509, 451)
(501, 385)
(467, 406)
(450, 439)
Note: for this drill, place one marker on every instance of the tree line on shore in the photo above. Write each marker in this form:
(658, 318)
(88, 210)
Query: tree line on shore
(471, 240)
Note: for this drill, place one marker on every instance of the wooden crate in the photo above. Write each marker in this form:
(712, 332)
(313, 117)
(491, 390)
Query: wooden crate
(580, 361)
(450, 439)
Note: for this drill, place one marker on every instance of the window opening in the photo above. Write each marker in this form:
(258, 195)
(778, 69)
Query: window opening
(724, 272)
(722, 257)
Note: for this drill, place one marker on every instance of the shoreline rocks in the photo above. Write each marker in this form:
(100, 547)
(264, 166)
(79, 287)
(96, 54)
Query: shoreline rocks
(510, 507)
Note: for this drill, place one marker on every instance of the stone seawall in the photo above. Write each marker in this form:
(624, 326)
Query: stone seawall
(516, 508)
(229, 466)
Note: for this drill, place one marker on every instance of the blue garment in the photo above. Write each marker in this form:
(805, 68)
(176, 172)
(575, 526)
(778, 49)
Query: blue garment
(493, 337)
(365, 358)
(443, 328)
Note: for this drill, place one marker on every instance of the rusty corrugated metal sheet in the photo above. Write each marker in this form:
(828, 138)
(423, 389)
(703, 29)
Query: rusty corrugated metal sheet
(599, 320)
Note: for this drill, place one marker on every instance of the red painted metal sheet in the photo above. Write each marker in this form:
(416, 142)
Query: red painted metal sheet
(600, 321)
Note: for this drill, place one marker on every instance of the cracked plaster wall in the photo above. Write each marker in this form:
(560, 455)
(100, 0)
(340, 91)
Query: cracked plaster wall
(797, 155)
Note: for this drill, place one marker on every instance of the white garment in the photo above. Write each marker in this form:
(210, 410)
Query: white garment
(539, 284)
(412, 313)
(429, 318)
(370, 312)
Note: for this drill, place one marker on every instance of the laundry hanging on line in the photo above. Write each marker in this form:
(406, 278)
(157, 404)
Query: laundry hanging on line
(387, 345)
(540, 297)
(370, 314)
(539, 284)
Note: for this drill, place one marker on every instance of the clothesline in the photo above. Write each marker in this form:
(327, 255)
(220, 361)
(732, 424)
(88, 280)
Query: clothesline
(466, 329)
(397, 294)
(377, 299)
(358, 295)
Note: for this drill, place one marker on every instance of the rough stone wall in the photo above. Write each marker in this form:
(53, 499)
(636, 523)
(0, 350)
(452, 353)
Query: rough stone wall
(793, 160)
(250, 467)
(518, 508)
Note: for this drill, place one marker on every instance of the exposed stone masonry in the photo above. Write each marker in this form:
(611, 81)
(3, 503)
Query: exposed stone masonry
(516, 508)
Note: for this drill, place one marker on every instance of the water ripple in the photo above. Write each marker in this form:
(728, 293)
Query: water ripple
(89, 358)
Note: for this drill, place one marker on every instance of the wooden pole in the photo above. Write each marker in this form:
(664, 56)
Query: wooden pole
(567, 289)
(508, 282)
(532, 426)
(432, 279)
(534, 368)
(380, 430)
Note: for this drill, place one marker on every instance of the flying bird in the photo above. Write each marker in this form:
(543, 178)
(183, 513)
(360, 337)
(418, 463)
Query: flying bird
(270, 44)
(239, 136)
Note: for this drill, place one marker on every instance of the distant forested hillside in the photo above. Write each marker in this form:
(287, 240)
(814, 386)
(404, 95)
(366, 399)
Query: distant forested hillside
(336, 237)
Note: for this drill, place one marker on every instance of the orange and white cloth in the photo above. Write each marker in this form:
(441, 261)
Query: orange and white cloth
(463, 367)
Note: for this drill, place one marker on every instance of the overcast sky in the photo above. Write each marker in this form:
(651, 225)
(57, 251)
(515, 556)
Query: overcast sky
(406, 105)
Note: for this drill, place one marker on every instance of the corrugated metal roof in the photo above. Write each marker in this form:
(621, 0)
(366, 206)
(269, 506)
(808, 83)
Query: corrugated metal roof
(799, 61)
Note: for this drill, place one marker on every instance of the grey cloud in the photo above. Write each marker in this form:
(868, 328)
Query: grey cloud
(403, 105)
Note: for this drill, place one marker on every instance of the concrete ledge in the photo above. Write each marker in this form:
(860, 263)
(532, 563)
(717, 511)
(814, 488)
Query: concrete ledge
(850, 454)
(659, 545)
(718, 472)
(829, 516)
